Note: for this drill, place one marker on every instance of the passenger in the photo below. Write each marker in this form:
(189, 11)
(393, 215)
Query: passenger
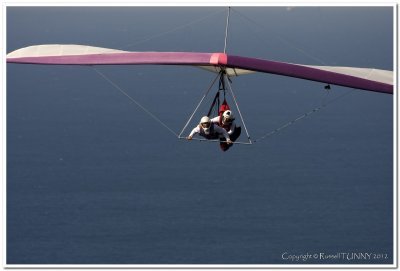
(209, 130)
(226, 121)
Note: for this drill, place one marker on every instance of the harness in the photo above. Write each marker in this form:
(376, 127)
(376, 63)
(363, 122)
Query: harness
(227, 127)
(211, 135)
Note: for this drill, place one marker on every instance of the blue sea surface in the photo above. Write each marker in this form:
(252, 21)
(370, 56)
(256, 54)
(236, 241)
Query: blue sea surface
(93, 179)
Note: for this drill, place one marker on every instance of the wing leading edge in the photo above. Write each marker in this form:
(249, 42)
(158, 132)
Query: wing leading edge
(59, 54)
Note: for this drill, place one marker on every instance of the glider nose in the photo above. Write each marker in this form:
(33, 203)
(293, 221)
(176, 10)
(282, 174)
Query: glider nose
(219, 59)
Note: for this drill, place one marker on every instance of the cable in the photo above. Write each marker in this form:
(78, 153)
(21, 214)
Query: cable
(240, 114)
(226, 29)
(171, 30)
(197, 107)
(282, 39)
(284, 126)
(133, 100)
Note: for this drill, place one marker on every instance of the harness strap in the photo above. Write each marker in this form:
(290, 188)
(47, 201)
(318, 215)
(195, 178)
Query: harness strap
(213, 104)
(221, 85)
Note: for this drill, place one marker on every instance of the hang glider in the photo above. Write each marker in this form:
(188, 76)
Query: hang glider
(65, 54)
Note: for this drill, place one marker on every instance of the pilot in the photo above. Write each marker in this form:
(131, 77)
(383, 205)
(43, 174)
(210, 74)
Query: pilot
(226, 121)
(209, 130)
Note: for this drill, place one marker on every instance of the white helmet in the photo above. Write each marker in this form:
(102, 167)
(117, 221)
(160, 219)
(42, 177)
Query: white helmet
(205, 124)
(227, 117)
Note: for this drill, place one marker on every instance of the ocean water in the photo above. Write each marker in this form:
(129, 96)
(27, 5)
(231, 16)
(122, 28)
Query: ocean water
(92, 179)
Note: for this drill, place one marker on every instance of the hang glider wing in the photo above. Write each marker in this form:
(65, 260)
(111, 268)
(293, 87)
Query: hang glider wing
(360, 78)
(58, 54)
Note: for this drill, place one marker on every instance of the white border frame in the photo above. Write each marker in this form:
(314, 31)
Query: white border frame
(344, 3)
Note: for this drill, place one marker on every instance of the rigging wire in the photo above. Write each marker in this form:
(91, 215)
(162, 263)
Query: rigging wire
(282, 39)
(197, 107)
(226, 29)
(240, 113)
(307, 114)
(280, 128)
(133, 100)
(176, 28)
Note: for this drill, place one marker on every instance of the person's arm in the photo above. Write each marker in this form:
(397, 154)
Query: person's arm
(195, 130)
(232, 129)
(215, 120)
(222, 131)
